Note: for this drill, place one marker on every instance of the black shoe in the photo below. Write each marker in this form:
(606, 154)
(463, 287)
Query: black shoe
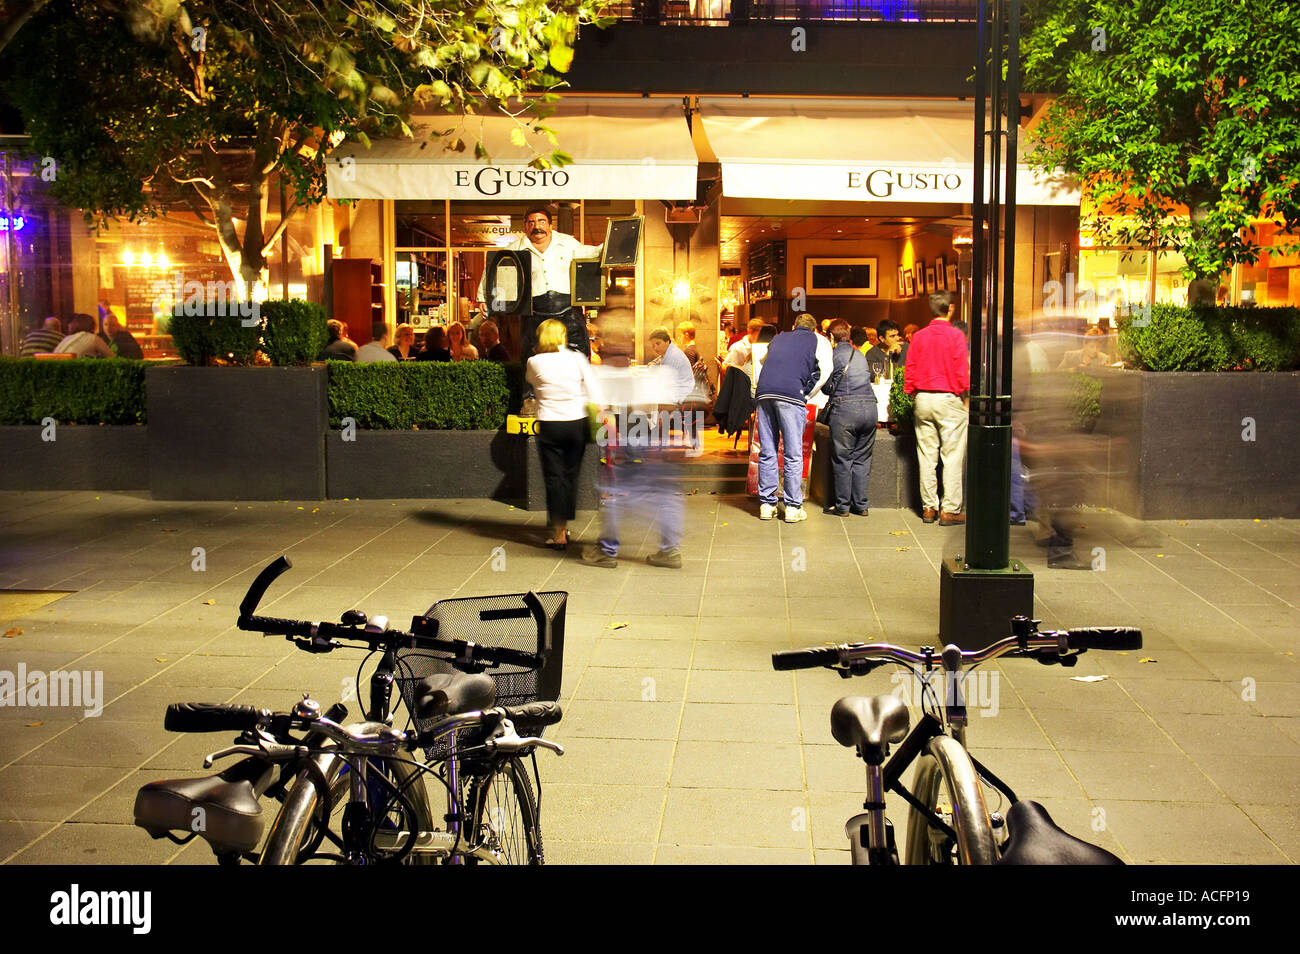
(859, 513)
(834, 512)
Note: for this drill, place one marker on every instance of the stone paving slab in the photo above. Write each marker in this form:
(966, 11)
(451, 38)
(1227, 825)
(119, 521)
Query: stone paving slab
(684, 746)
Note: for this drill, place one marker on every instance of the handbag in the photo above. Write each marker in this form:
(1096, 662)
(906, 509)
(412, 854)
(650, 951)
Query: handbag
(824, 415)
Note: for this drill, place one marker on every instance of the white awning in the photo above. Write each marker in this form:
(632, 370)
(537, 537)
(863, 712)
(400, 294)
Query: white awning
(623, 148)
(876, 151)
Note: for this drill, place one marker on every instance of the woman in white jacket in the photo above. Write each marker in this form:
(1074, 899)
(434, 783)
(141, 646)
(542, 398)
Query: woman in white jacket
(564, 385)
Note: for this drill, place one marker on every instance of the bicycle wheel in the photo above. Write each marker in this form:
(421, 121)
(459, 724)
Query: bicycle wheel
(946, 783)
(295, 824)
(504, 814)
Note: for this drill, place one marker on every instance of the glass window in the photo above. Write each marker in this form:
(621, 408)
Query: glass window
(1110, 282)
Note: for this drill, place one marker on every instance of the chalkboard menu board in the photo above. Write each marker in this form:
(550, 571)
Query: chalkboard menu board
(622, 241)
(587, 281)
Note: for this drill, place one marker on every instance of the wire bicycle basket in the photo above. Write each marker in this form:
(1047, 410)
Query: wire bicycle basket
(503, 621)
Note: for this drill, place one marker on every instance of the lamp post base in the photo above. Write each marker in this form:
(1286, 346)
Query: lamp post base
(976, 606)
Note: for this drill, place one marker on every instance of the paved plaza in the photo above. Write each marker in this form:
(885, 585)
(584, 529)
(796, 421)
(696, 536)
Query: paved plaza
(683, 746)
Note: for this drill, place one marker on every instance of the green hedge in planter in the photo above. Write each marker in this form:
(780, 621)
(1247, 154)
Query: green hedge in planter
(201, 339)
(426, 395)
(1085, 401)
(1213, 339)
(900, 403)
(81, 391)
(295, 332)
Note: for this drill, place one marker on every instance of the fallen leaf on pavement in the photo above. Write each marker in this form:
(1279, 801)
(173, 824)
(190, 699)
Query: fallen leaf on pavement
(33, 725)
(11, 633)
(1146, 659)
(1089, 678)
(902, 549)
(618, 625)
(158, 659)
(898, 533)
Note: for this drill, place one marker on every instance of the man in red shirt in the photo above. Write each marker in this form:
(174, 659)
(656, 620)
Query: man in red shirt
(937, 375)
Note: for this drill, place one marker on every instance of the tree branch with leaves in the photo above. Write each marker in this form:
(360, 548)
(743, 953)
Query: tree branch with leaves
(1181, 117)
(150, 104)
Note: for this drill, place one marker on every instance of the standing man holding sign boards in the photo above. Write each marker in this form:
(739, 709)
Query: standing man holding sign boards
(552, 252)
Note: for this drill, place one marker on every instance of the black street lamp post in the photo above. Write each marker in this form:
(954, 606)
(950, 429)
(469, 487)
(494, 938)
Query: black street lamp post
(982, 588)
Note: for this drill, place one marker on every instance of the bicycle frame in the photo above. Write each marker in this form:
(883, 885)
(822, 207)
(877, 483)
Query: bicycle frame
(942, 737)
(365, 793)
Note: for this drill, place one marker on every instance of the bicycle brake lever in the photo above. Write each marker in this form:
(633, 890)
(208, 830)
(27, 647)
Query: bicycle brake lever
(229, 751)
(513, 746)
(272, 751)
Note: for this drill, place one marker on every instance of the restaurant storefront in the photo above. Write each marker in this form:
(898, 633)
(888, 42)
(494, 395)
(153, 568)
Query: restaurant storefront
(747, 202)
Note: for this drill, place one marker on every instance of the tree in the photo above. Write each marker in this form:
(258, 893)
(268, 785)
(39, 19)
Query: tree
(1181, 118)
(145, 103)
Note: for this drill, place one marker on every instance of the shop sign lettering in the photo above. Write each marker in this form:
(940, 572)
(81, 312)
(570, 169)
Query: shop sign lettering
(883, 183)
(489, 180)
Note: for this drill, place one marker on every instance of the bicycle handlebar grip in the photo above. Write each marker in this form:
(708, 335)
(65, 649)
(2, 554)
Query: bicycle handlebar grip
(1106, 637)
(535, 713)
(212, 717)
(786, 659)
(264, 579)
(510, 657)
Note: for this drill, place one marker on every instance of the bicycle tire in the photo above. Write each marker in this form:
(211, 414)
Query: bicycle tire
(504, 814)
(946, 767)
(297, 816)
(290, 832)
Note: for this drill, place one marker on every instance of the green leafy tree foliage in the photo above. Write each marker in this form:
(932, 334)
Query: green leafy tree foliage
(147, 104)
(1162, 104)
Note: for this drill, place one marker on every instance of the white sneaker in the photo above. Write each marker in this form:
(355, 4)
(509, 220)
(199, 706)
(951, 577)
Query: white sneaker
(766, 511)
(795, 514)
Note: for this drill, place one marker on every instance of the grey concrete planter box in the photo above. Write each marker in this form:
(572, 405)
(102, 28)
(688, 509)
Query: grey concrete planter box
(893, 482)
(81, 457)
(443, 464)
(237, 433)
(1177, 444)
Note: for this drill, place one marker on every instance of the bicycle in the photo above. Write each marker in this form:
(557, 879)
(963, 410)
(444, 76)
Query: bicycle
(464, 719)
(962, 830)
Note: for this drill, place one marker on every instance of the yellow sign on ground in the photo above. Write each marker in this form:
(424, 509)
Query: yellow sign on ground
(520, 425)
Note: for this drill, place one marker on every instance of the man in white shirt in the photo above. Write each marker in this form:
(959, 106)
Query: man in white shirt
(677, 367)
(82, 340)
(552, 252)
(825, 363)
(377, 349)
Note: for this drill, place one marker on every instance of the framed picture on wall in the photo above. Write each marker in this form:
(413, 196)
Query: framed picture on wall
(939, 274)
(920, 278)
(952, 277)
(841, 277)
(929, 278)
(902, 286)
(907, 283)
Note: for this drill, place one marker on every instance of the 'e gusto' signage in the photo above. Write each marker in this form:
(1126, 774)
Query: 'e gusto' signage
(883, 183)
(489, 180)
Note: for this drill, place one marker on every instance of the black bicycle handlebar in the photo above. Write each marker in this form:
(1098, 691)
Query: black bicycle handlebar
(264, 579)
(535, 713)
(811, 658)
(860, 658)
(213, 717)
(1121, 638)
(321, 637)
